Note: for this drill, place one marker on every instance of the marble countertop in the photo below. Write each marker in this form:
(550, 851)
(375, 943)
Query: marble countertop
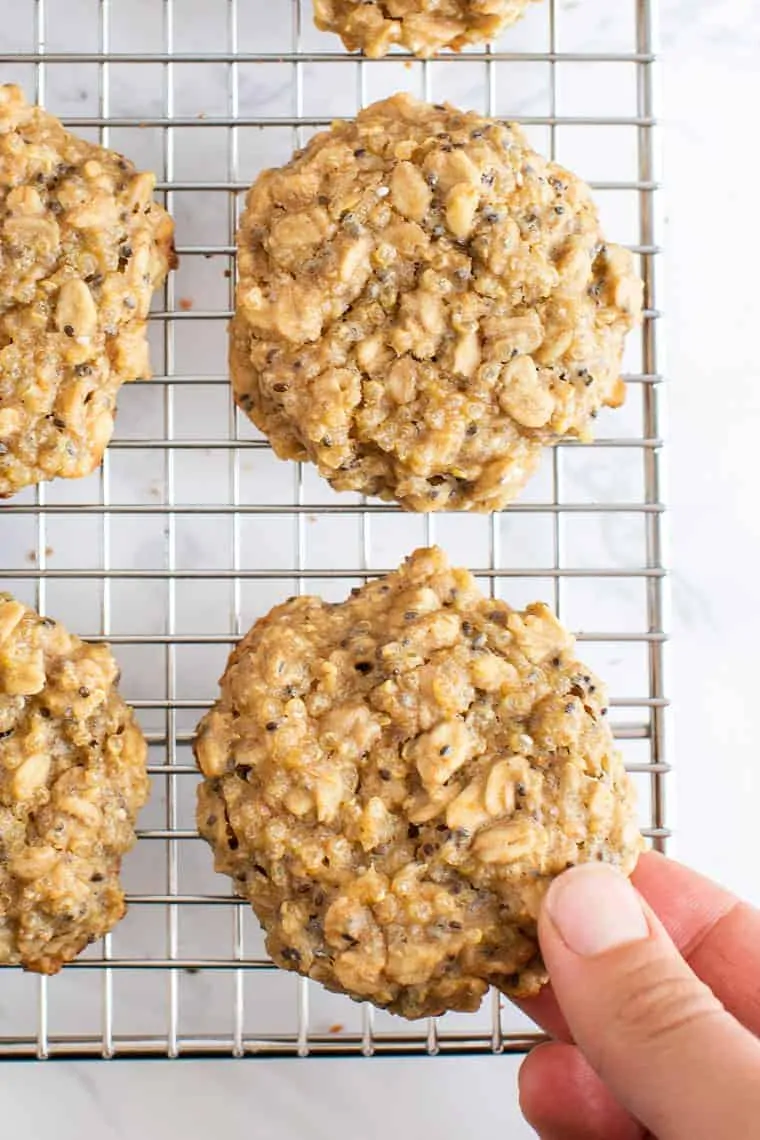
(709, 81)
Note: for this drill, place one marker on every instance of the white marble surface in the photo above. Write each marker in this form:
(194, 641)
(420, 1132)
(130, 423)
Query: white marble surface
(710, 81)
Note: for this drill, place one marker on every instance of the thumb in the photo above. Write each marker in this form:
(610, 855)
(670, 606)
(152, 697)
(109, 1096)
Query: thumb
(655, 1034)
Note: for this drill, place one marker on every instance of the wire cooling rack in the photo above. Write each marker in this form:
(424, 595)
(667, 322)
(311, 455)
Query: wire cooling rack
(192, 528)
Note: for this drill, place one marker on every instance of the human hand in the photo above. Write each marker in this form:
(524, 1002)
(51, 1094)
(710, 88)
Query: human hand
(653, 1018)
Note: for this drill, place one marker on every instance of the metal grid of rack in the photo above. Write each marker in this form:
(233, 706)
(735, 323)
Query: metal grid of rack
(191, 529)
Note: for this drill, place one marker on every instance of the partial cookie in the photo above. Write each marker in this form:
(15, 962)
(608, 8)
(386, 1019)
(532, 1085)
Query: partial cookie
(393, 782)
(421, 26)
(82, 247)
(423, 304)
(72, 780)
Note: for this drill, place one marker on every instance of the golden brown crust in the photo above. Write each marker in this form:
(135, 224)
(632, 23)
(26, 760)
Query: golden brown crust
(72, 780)
(423, 304)
(421, 26)
(82, 248)
(393, 782)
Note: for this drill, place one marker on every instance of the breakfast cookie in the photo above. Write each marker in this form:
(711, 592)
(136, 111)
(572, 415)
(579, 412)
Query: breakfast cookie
(421, 26)
(392, 783)
(423, 304)
(72, 780)
(82, 247)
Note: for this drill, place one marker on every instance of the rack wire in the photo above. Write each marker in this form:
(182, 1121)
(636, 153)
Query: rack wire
(191, 529)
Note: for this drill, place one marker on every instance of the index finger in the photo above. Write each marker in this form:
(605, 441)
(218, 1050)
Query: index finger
(717, 934)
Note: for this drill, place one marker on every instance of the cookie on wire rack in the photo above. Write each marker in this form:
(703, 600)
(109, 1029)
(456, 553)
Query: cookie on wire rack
(72, 780)
(393, 782)
(423, 304)
(423, 27)
(83, 245)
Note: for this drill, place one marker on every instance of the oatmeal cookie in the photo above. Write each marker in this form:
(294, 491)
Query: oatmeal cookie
(72, 780)
(392, 783)
(82, 247)
(423, 304)
(421, 26)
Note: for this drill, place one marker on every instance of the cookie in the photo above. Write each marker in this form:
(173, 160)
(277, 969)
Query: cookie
(72, 780)
(424, 303)
(393, 782)
(423, 27)
(82, 248)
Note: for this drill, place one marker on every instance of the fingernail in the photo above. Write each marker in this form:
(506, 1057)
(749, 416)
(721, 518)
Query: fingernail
(595, 909)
